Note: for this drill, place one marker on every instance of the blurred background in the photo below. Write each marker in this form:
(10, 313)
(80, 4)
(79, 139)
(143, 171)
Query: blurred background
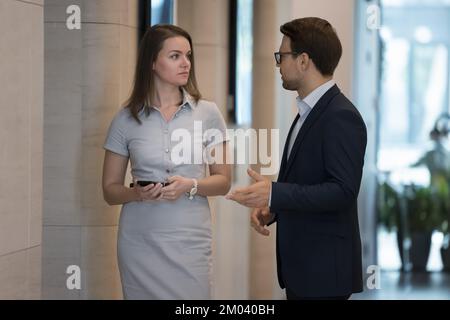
(62, 83)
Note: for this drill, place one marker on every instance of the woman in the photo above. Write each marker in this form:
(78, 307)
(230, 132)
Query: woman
(164, 239)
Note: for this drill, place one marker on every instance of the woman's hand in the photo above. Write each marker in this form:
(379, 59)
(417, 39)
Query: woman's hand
(151, 192)
(178, 186)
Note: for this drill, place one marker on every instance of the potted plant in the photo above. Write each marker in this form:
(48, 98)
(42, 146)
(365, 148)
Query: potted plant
(422, 209)
(415, 212)
(442, 188)
(437, 161)
(388, 206)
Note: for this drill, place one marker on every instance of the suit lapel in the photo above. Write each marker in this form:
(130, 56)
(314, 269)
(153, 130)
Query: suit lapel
(313, 116)
(286, 146)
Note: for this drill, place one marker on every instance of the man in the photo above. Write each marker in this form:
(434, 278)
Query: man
(314, 201)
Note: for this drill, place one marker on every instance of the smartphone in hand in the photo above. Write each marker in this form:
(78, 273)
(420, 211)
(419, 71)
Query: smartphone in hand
(144, 183)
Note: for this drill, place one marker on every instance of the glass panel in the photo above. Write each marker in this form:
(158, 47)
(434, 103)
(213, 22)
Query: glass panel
(161, 11)
(429, 85)
(414, 94)
(414, 81)
(244, 56)
(394, 89)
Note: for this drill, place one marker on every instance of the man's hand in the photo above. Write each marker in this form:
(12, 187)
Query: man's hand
(255, 195)
(259, 219)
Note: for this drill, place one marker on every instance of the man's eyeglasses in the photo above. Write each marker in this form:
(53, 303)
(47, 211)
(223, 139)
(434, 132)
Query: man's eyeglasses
(278, 55)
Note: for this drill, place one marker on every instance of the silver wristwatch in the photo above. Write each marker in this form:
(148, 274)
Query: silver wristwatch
(193, 190)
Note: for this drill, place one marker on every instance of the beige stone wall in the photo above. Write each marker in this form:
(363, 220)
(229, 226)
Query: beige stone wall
(21, 123)
(88, 76)
(262, 253)
(54, 120)
(207, 23)
(341, 15)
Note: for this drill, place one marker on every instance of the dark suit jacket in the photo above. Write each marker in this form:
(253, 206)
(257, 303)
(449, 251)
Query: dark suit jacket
(315, 202)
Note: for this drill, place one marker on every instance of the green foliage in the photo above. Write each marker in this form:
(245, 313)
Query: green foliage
(441, 187)
(388, 206)
(426, 208)
(422, 208)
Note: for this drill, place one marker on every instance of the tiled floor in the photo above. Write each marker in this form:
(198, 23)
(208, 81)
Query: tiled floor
(396, 285)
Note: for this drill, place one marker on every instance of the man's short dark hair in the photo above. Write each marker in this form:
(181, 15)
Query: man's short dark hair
(318, 39)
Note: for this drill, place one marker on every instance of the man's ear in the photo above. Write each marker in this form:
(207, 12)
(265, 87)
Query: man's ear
(303, 61)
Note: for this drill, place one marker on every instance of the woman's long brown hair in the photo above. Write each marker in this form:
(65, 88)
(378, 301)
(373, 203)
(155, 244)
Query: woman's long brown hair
(150, 46)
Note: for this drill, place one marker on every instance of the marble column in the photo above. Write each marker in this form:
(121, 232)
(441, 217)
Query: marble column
(271, 109)
(279, 105)
(207, 22)
(88, 76)
(340, 15)
(21, 134)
